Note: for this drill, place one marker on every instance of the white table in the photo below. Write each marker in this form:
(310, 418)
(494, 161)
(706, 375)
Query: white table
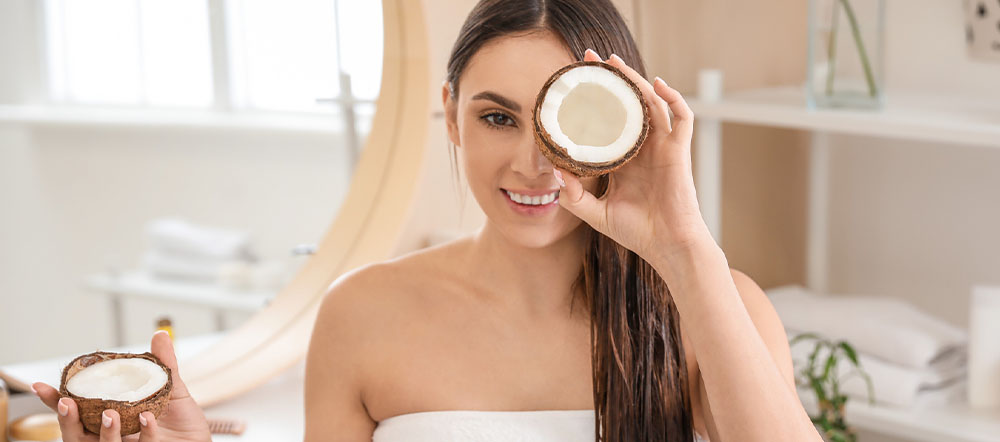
(274, 411)
(137, 284)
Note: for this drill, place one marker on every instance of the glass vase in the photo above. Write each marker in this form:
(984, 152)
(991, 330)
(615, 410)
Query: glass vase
(845, 54)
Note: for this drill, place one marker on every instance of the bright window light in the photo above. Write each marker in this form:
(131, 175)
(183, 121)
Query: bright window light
(281, 55)
(286, 53)
(153, 52)
(176, 56)
(361, 34)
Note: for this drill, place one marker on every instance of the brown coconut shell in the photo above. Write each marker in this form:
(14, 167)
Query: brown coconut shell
(91, 408)
(558, 155)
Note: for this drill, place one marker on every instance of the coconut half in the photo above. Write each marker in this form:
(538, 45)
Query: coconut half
(590, 118)
(128, 383)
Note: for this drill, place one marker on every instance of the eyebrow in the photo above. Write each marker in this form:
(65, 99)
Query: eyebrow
(499, 99)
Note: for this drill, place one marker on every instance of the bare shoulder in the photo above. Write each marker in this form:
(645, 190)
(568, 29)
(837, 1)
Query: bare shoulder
(359, 315)
(762, 312)
(369, 299)
(374, 287)
(335, 363)
(365, 307)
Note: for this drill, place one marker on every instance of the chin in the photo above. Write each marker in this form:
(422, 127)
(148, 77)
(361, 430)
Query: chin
(539, 234)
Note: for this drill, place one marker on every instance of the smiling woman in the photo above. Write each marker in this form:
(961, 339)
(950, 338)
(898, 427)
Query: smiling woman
(560, 319)
(537, 40)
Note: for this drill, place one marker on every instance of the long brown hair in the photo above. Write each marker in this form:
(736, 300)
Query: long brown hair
(639, 370)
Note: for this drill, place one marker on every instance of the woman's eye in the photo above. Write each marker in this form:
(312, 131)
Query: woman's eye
(497, 120)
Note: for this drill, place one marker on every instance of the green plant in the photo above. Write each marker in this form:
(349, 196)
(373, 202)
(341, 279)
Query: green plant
(823, 380)
(832, 49)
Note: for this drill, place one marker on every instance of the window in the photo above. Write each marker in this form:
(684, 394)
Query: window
(275, 56)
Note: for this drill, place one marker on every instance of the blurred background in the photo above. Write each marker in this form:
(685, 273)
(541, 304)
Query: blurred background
(179, 160)
(153, 150)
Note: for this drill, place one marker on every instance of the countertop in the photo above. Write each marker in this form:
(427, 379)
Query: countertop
(273, 412)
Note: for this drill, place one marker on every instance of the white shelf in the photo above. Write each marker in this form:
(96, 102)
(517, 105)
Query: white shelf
(906, 116)
(140, 285)
(952, 423)
(38, 115)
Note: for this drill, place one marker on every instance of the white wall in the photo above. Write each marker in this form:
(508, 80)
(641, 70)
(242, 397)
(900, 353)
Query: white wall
(20, 70)
(74, 200)
(919, 220)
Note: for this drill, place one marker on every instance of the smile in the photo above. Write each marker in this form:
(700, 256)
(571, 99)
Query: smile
(531, 205)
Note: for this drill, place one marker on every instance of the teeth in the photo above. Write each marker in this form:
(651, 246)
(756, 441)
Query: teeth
(533, 200)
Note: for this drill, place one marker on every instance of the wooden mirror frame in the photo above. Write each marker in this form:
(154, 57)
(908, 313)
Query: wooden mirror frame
(366, 229)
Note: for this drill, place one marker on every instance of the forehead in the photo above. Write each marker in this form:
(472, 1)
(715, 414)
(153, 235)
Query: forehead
(515, 66)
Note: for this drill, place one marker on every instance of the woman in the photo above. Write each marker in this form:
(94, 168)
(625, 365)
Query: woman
(504, 335)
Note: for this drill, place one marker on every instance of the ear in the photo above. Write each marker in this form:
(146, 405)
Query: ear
(450, 113)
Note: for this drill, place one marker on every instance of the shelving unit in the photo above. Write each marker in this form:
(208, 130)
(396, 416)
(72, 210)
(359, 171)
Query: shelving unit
(913, 117)
(140, 286)
(925, 118)
(957, 423)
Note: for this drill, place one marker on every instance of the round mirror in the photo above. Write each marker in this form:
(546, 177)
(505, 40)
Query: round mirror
(217, 179)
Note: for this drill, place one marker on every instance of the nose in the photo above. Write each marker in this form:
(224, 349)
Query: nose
(529, 160)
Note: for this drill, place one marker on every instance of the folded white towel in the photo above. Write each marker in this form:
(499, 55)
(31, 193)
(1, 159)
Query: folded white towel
(892, 384)
(169, 266)
(954, 393)
(179, 237)
(885, 327)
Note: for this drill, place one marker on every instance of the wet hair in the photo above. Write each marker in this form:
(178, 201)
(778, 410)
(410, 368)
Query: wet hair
(639, 369)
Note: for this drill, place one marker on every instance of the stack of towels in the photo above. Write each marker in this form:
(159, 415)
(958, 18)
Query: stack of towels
(913, 359)
(184, 252)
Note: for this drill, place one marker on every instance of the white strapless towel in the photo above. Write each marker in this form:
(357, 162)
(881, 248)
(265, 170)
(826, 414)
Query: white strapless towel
(489, 426)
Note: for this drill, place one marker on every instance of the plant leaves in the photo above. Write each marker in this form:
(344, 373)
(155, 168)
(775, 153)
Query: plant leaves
(851, 354)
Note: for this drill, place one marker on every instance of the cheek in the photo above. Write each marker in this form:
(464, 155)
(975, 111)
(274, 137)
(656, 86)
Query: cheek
(485, 154)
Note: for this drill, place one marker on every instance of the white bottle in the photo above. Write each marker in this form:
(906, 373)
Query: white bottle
(984, 347)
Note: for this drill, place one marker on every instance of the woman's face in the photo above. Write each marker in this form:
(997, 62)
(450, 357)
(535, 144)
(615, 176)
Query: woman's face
(490, 123)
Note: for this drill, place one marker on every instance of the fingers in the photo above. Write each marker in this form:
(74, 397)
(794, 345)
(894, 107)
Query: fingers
(69, 421)
(580, 202)
(684, 118)
(111, 428)
(663, 99)
(150, 428)
(162, 347)
(657, 107)
(48, 394)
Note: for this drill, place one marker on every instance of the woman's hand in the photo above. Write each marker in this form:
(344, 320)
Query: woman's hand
(650, 206)
(182, 421)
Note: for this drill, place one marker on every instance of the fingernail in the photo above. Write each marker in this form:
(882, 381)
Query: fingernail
(616, 57)
(33, 389)
(590, 51)
(62, 407)
(142, 420)
(660, 80)
(106, 419)
(559, 177)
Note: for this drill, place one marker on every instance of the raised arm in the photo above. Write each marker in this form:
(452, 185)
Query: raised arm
(746, 384)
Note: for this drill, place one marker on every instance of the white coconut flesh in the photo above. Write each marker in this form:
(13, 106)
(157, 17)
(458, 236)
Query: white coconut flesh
(592, 113)
(124, 379)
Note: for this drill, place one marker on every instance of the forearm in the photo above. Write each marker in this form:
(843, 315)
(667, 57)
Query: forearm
(750, 399)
